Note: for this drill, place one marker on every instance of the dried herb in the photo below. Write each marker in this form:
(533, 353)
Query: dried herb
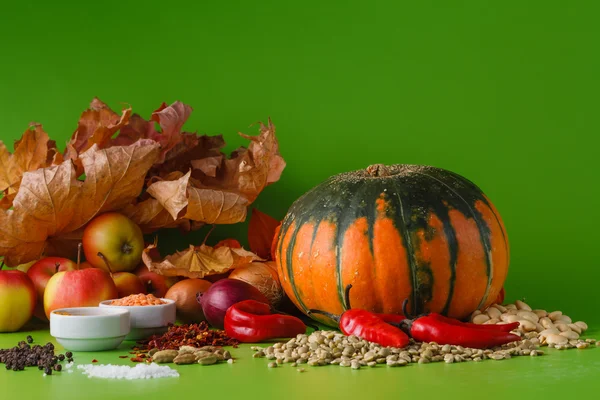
(195, 335)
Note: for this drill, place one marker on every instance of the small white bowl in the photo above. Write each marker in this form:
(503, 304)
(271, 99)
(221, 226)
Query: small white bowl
(89, 328)
(147, 320)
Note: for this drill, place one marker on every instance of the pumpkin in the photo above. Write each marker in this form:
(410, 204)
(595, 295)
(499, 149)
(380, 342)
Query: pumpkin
(395, 232)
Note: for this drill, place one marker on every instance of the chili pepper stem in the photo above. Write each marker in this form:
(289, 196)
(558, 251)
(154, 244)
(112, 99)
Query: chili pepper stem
(276, 311)
(334, 317)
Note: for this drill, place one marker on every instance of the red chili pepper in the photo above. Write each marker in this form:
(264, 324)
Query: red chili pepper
(491, 327)
(393, 318)
(252, 321)
(429, 328)
(367, 325)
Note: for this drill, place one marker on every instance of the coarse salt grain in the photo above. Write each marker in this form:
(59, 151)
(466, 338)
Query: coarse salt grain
(140, 371)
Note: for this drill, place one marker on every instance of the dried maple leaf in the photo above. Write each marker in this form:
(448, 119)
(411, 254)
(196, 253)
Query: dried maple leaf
(171, 120)
(150, 215)
(182, 198)
(261, 231)
(200, 261)
(34, 150)
(250, 170)
(96, 126)
(52, 204)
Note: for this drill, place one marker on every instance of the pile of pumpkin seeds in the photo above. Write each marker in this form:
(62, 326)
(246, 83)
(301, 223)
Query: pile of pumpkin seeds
(322, 348)
(553, 329)
(333, 348)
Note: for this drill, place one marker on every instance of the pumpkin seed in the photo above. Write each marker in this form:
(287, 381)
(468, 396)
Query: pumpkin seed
(556, 339)
(480, 319)
(499, 307)
(563, 327)
(521, 305)
(354, 365)
(528, 315)
(554, 315)
(582, 325)
(492, 321)
(575, 328)
(546, 322)
(510, 307)
(272, 365)
(508, 318)
(569, 334)
(527, 325)
(494, 313)
(564, 319)
(540, 313)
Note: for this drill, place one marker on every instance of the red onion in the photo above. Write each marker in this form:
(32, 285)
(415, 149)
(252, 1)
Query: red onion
(223, 294)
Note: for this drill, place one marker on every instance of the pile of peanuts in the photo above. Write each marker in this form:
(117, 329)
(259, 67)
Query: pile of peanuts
(553, 329)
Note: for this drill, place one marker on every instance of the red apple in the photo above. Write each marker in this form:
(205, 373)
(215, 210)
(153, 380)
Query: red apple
(155, 284)
(17, 300)
(80, 288)
(118, 238)
(41, 272)
(128, 283)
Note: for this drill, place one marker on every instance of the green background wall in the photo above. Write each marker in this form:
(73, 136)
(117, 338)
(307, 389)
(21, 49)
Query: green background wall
(504, 93)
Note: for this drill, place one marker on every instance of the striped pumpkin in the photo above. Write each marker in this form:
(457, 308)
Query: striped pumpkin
(394, 232)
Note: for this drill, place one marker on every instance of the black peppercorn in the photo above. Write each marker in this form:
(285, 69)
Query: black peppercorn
(69, 354)
(48, 371)
(61, 357)
(69, 360)
(58, 367)
(29, 339)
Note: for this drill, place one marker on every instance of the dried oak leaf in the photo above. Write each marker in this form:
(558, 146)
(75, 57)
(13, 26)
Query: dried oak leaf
(261, 231)
(34, 150)
(96, 126)
(52, 204)
(199, 261)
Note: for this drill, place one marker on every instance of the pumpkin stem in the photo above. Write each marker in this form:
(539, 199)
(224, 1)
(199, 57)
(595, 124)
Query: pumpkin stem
(347, 296)
(378, 170)
(334, 317)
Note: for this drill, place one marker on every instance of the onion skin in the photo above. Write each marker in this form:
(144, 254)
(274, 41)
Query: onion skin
(223, 294)
(263, 276)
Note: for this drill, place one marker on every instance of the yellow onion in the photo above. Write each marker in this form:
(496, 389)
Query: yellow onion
(263, 276)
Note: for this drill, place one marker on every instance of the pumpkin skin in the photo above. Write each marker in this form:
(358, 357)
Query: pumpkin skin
(394, 232)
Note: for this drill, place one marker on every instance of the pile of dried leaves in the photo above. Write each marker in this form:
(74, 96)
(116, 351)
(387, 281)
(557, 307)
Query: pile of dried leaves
(159, 177)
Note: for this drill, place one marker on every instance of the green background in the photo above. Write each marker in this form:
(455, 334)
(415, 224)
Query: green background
(503, 93)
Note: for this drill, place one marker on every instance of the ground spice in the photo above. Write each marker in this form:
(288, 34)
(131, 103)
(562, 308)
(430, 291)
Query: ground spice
(195, 335)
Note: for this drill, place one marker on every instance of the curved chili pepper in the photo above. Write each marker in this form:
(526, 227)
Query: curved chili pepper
(492, 327)
(252, 321)
(429, 328)
(367, 325)
(393, 318)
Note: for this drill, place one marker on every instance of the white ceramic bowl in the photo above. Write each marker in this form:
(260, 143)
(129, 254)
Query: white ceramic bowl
(89, 328)
(147, 320)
